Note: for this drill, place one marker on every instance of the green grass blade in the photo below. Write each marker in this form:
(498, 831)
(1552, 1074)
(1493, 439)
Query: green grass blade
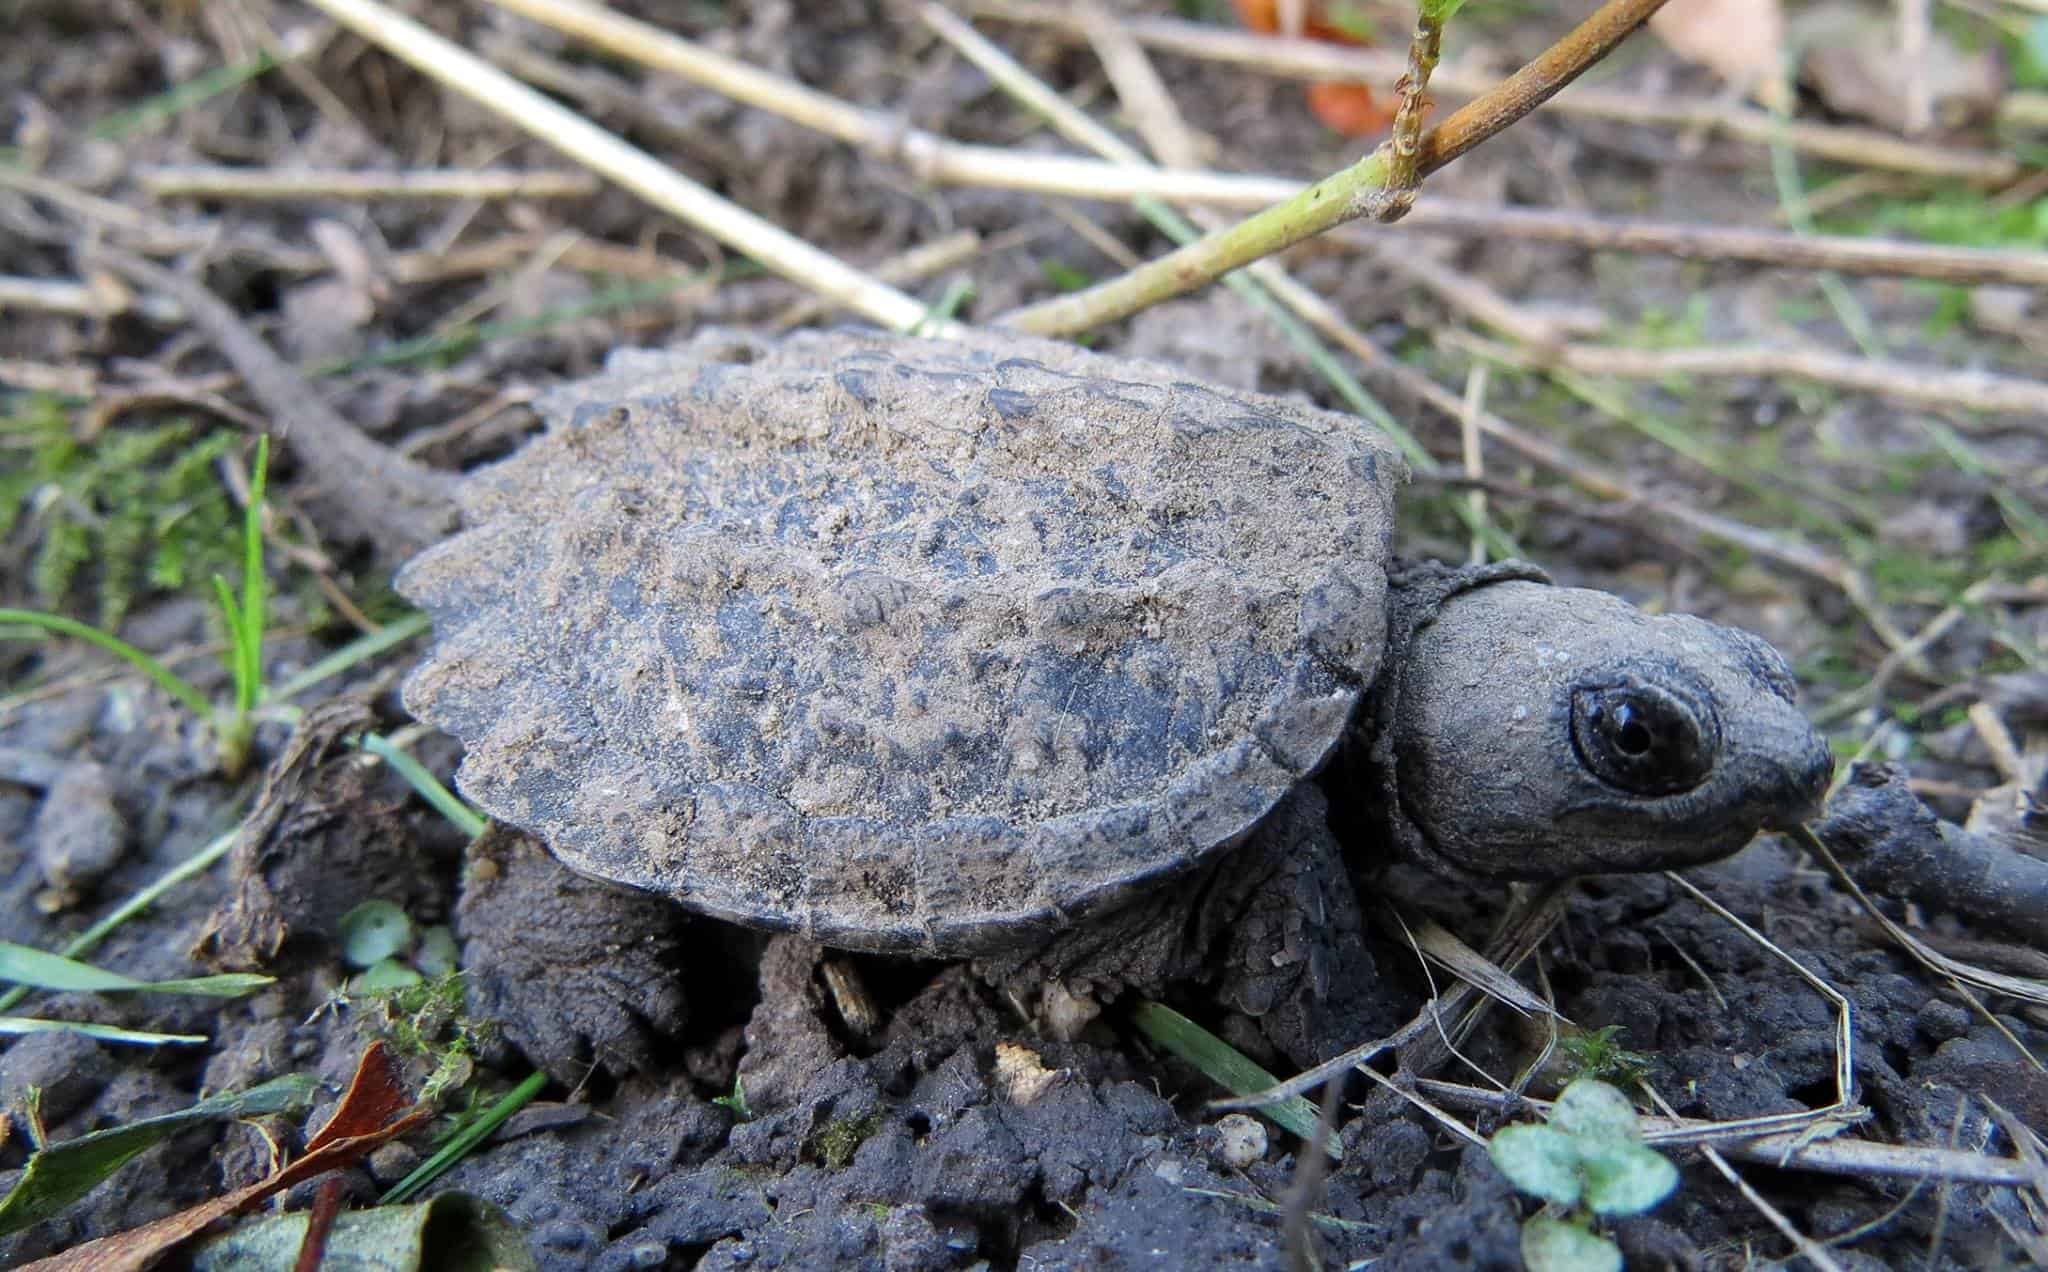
(231, 618)
(85, 942)
(249, 669)
(38, 969)
(60, 1174)
(16, 1025)
(167, 106)
(1228, 1068)
(360, 650)
(169, 681)
(465, 1139)
(444, 801)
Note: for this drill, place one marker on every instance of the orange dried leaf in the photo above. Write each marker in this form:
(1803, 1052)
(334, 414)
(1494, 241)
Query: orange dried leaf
(1350, 109)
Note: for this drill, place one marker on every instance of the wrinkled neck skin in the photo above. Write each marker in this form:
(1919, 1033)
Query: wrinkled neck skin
(1525, 731)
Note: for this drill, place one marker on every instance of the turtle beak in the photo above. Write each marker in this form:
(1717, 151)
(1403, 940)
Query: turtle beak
(1799, 780)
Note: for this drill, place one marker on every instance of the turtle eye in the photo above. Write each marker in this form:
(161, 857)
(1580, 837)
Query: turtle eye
(1642, 738)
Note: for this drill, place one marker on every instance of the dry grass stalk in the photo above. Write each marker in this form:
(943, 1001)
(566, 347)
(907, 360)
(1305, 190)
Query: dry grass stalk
(47, 377)
(1872, 256)
(1425, 1042)
(1128, 175)
(85, 300)
(204, 181)
(916, 265)
(1922, 386)
(636, 170)
(1800, 1150)
(2025, 989)
(1265, 285)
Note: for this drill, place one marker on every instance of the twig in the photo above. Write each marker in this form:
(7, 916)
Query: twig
(371, 493)
(636, 170)
(1365, 188)
(292, 184)
(1264, 285)
(1316, 60)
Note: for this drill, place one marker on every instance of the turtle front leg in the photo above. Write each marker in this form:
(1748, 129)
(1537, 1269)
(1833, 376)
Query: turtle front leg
(1271, 930)
(576, 972)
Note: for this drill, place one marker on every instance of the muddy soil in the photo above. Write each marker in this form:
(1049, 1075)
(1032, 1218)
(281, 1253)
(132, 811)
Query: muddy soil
(950, 1131)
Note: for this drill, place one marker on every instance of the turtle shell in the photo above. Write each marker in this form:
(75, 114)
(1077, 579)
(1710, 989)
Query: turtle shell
(906, 645)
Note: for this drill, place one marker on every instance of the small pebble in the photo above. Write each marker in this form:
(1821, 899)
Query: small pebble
(1241, 1140)
(392, 1163)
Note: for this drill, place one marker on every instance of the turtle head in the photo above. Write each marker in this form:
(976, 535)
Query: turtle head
(1542, 732)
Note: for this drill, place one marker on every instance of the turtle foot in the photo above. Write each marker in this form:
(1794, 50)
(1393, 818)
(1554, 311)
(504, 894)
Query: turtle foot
(576, 973)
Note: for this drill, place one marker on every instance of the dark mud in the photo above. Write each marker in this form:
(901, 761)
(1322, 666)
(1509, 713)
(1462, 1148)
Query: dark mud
(957, 1132)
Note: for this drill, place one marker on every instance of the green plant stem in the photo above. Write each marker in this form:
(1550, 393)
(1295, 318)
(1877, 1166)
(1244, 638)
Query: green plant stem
(359, 650)
(169, 681)
(465, 1139)
(444, 801)
(1361, 189)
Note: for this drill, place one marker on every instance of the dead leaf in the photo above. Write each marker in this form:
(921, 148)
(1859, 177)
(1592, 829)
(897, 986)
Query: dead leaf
(1343, 107)
(1349, 109)
(1855, 62)
(1742, 41)
(363, 1122)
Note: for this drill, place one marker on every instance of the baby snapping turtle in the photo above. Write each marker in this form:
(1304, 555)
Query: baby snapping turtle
(938, 648)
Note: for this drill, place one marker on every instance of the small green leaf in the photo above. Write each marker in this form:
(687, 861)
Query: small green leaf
(736, 1103)
(437, 955)
(1592, 1110)
(102, 1033)
(1627, 1179)
(1441, 11)
(1553, 1245)
(1538, 1160)
(59, 1174)
(39, 969)
(386, 975)
(373, 932)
